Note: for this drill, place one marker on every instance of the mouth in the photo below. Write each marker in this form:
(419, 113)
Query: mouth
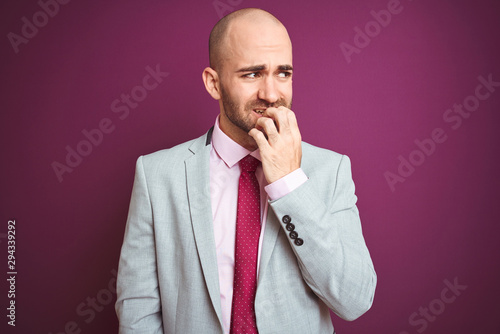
(259, 111)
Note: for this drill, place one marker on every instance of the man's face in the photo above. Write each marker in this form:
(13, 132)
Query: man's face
(256, 74)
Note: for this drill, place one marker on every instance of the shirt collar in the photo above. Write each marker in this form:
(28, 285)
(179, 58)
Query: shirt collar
(227, 149)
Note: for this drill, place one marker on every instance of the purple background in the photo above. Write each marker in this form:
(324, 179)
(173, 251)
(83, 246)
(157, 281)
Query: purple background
(440, 224)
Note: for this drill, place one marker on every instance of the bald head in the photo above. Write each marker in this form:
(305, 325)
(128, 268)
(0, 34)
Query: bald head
(218, 42)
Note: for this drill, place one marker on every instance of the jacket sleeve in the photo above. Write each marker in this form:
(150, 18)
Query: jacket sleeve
(332, 254)
(138, 301)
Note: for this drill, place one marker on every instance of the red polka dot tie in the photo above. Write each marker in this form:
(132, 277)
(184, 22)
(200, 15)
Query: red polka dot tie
(246, 249)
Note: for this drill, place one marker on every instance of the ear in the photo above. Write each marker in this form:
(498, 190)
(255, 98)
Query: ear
(211, 81)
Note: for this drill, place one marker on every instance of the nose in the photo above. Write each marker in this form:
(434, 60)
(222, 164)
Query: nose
(268, 90)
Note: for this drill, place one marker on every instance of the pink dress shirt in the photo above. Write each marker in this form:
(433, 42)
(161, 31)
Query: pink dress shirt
(224, 177)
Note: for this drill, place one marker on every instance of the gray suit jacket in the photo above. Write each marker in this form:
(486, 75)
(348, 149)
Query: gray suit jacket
(168, 280)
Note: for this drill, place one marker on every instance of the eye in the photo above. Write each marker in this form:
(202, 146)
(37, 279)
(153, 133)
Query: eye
(284, 74)
(252, 75)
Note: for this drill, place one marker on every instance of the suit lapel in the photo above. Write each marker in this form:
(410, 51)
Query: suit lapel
(198, 187)
(270, 237)
(198, 184)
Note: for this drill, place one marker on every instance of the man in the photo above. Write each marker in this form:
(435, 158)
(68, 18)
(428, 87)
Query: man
(267, 244)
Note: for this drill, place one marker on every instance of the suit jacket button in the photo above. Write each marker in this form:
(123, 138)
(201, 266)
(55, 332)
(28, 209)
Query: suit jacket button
(290, 227)
(286, 219)
(294, 235)
(299, 242)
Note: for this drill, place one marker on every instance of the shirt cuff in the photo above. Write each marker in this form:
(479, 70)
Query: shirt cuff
(286, 184)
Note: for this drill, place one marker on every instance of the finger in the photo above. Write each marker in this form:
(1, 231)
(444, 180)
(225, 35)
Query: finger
(269, 128)
(289, 122)
(259, 138)
(292, 119)
(280, 116)
(294, 126)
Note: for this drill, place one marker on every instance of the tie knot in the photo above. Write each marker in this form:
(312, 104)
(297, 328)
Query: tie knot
(249, 164)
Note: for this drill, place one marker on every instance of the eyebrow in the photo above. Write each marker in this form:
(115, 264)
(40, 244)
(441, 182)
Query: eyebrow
(257, 68)
(285, 68)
